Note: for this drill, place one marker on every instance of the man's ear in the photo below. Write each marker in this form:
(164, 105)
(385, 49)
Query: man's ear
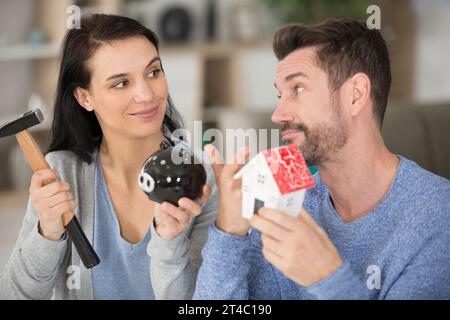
(360, 88)
(84, 98)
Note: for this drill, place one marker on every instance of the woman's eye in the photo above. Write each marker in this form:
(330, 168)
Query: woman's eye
(154, 74)
(121, 84)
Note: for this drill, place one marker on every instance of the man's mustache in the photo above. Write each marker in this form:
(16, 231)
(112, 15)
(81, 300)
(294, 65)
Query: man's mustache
(294, 126)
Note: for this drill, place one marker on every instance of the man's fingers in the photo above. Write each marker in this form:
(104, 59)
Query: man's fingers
(269, 228)
(206, 193)
(279, 218)
(215, 158)
(237, 162)
(228, 171)
(270, 243)
(273, 257)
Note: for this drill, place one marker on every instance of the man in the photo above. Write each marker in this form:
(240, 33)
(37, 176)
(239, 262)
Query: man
(376, 226)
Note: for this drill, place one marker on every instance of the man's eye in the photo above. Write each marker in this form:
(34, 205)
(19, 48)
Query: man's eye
(299, 90)
(153, 74)
(121, 84)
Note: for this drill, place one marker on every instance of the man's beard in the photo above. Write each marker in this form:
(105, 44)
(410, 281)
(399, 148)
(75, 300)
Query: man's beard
(322, 140)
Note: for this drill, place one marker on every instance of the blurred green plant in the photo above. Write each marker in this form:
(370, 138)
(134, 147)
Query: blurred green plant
(313, 11)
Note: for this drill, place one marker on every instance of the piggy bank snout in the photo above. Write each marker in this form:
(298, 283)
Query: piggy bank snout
(146, 182)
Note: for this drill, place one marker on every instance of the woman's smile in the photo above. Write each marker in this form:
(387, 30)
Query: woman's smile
(146, 113)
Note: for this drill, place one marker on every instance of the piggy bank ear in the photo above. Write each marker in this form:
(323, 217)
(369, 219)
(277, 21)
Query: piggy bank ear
(146, 182)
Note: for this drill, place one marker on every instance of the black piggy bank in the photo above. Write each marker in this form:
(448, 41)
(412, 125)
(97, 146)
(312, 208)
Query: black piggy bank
(165, 180)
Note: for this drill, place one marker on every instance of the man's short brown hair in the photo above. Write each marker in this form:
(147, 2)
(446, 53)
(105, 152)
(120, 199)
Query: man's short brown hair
(344, 48)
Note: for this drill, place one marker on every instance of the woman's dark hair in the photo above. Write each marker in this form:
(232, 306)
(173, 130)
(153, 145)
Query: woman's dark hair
(75, 128)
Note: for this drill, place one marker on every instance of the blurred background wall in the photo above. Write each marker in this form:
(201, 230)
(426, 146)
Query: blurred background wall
(220, 68)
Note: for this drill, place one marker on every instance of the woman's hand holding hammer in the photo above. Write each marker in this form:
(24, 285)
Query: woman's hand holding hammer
(51, 201)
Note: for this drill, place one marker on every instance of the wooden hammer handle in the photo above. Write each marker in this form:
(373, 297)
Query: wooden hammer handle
(37, 161)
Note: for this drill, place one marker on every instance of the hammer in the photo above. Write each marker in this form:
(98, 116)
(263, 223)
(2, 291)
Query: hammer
(37, 162)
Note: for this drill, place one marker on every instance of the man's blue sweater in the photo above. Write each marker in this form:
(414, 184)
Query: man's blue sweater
(400, 250)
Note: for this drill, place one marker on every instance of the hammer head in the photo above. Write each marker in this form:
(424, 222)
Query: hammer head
(23, 122)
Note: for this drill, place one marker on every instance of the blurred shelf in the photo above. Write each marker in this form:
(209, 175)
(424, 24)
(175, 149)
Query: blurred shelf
(28, 52)
(212, 49)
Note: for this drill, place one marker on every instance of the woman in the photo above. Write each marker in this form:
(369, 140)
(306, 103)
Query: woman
(112, 111)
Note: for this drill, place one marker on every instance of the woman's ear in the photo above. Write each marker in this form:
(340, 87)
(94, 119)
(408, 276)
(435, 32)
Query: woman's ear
(84, 98)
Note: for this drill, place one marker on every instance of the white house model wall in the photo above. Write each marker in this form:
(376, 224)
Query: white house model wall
(276, 179)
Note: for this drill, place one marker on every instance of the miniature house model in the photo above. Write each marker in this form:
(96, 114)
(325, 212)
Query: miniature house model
(276, 179)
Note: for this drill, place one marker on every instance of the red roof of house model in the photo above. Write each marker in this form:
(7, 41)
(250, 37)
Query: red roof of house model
(289, 169)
